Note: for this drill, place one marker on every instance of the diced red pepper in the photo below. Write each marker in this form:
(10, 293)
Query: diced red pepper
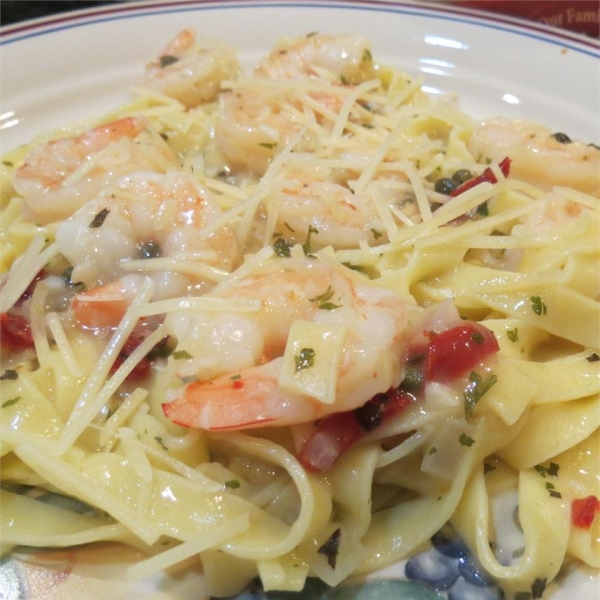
(456, 351)
(334, 434)
(583, 511)
(486, 176)
(142, 369)
(15, 332)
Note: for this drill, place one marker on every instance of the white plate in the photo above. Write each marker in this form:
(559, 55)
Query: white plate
(75, 66)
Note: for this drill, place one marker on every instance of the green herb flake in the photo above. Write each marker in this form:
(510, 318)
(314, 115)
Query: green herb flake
(235, 377)
(538, 587)
(483, 210)
(357, 268)
(326, 295)
(305, 359)
(376, 234)
(9, 374)
(343, 80)
(8, 163)
(160, 441)
(550, 471)
(513, 334)
(465, 440)
(555, 494)
(268, 145)
(11, 402)
(330, 548)
(181, 354)
(432, 450)
(329, 306)
(475, 390)
(488, 468)
(549, 486)
(593, 357)
(367, 56)
(288, 226)
(306, 245)
(99, 219)
(232, 484)
(167, 59)
(538, 306)
(282, 247)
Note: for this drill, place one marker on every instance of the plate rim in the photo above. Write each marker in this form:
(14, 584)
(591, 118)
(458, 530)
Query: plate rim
(515, 25)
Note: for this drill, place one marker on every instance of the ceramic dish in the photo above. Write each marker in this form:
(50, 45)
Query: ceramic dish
(79, 65)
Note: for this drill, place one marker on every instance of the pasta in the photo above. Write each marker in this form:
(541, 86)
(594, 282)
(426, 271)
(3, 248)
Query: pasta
(292, 323)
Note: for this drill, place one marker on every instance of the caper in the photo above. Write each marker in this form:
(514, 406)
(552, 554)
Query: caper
(461, 176)
(561, 138)
(445, 185)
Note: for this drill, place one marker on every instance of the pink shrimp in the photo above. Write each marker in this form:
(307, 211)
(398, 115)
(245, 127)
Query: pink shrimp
(60, 176)
(189, 72)
(241, 389)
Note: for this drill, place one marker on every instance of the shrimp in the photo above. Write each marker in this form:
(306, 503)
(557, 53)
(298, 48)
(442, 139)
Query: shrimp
(146, 215)
(347, 58)
(239, 389)
(60, 176)
(189, 72)
(340, 217)
(538, 156)
(252, 128)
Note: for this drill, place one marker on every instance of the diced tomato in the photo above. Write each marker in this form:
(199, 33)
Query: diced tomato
(583, 511)
(456, 351)
(15, 332)
(487, 175)
(142, 369)
(334, 434)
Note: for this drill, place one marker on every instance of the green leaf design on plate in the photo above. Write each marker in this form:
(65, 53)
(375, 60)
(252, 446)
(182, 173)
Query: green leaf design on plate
(390, 589)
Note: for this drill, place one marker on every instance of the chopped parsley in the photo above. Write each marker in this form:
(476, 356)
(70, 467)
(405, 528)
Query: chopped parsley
(232, 484)
(513, 334)
(538, 306)
(593, 357)
(331, 547)
(99, 219)
(465, 440)
(235, 377)
(181, 354)
(550, 471)
(306, 245)
(268, 145)
(367, 56)
(7, 163)
(167, 59)
(483, 210)
(305, 359)
(488, 468)
(376, 234)
(432, 450)
(9, 374)
(475, 389)
(160, 441)
(11, 402)
(323, 300)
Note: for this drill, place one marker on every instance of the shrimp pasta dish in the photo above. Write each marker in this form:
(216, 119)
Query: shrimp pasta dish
(293, 322)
